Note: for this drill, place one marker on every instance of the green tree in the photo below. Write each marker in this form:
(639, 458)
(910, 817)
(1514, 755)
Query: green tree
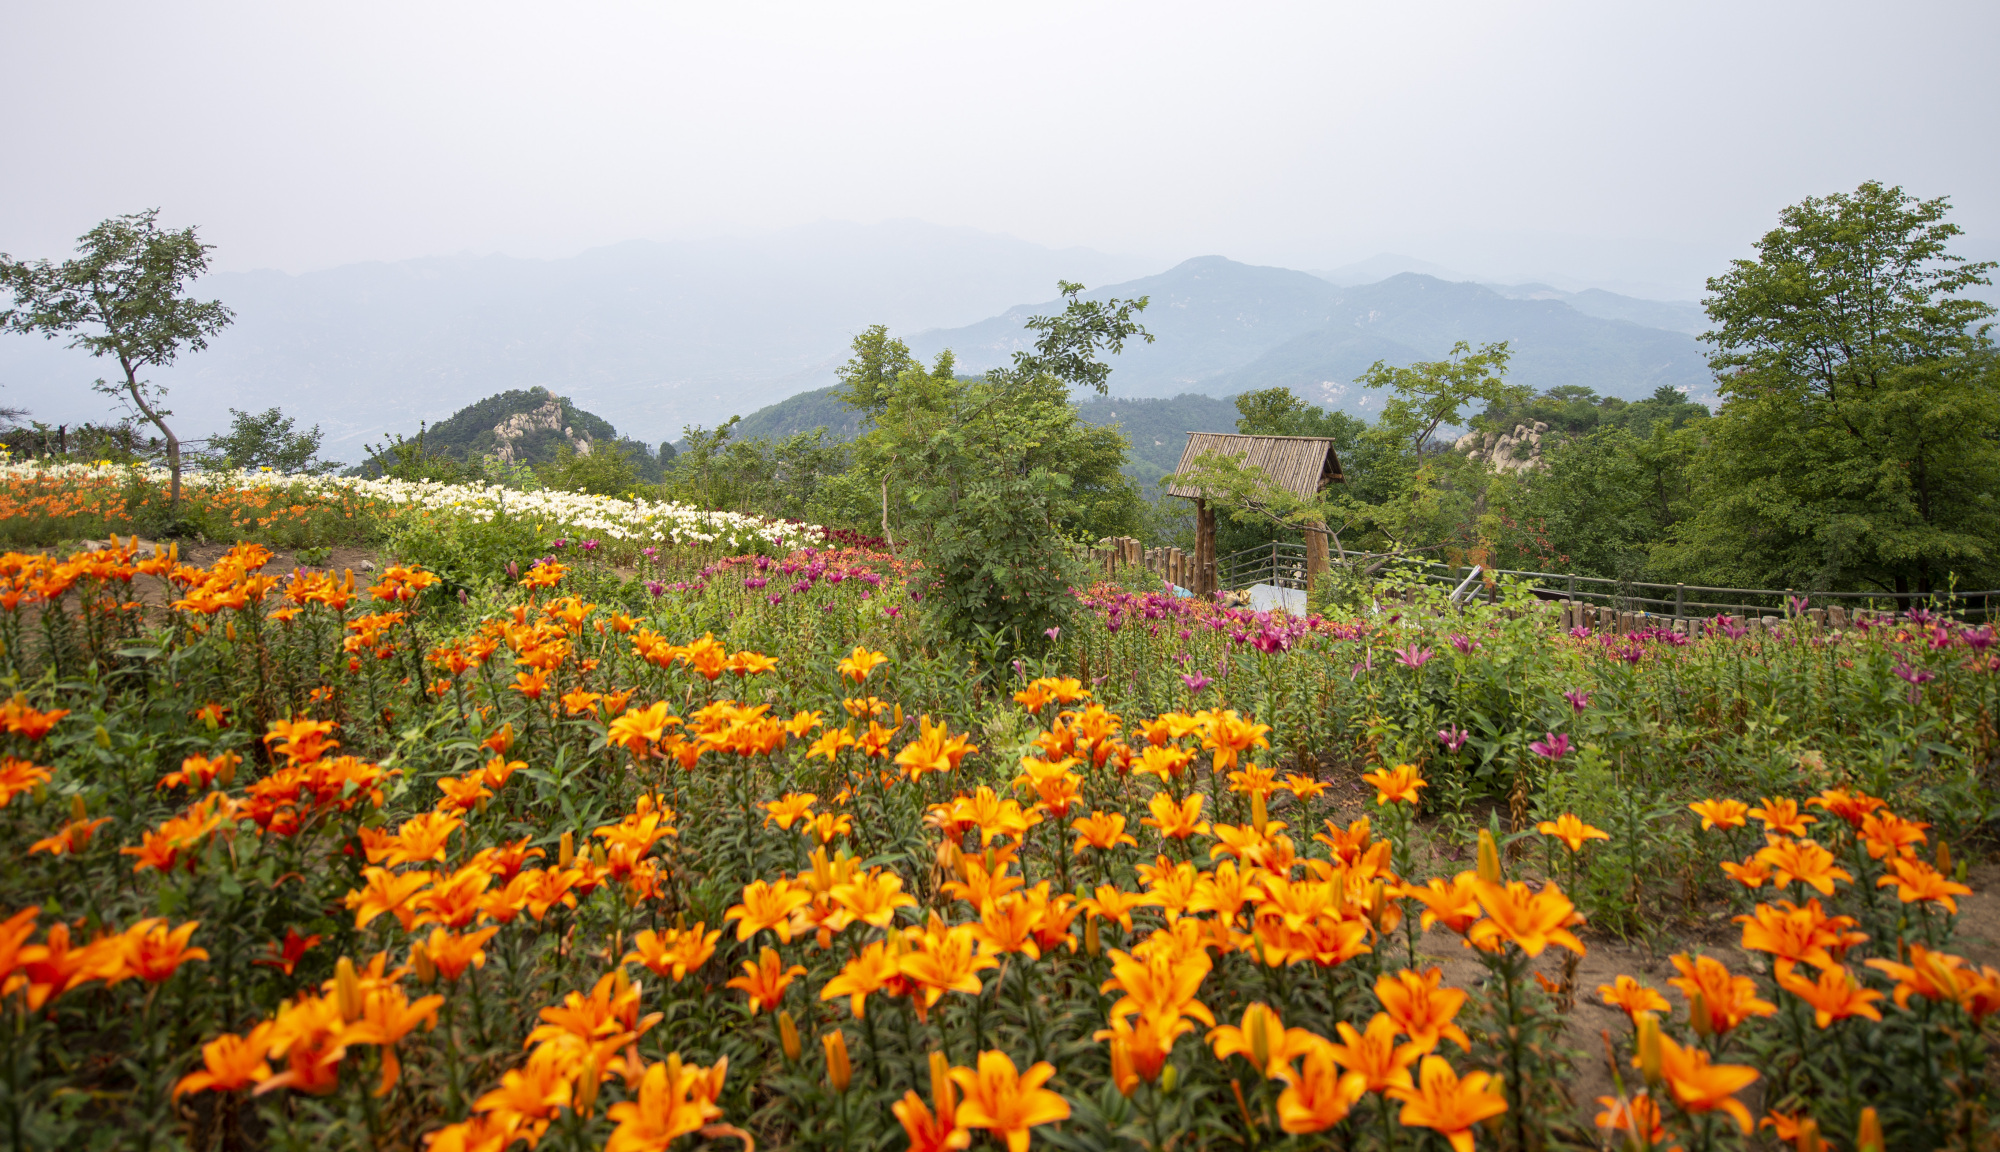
(1416, 492)
(987, 475)
(1859, 438)
(268, 439)
(603, 471)
(123, 296)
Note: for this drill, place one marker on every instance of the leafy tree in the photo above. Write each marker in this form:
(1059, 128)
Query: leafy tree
(267, 440)
(123, 296)
(603, 471)
(1859, 438)
(988, 475)
(414, 458)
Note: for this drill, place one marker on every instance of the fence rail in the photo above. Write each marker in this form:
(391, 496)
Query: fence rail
(1279, 564)
(1283, 564)
(1682, 601)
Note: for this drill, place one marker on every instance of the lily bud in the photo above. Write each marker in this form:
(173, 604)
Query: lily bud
(598, 856)
(585, 1097)
(1489, 857)
(1944, 858)
(104, 734)
(1868, 1137)
(1260, 1036)
(1809, 1139)
(1123, 1074)
(788, 1036)
(942, 1093)
(620, 982)
(1648, 1044)
(347, 990)
(899, 715)
(78, 810)
(838, 1071)
(1698, 1016)
(1093, 943)
(225, 768)
(566, 855)
(421, 965)
(1170, 1078)
(1260, 815)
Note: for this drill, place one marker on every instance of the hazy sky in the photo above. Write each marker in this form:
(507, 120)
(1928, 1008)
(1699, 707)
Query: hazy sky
(1637, 144)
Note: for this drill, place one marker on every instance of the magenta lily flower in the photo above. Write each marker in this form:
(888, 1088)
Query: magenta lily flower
(1553, 747)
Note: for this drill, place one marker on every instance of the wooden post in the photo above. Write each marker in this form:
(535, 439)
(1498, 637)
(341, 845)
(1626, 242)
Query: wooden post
(1316, 565)
(1204, 549)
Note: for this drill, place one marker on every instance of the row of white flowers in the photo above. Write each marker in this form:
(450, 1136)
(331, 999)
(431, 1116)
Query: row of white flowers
(574, 513)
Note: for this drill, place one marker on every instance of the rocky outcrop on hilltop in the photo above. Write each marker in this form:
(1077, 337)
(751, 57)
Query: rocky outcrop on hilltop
(1516, 451)
(522, 425)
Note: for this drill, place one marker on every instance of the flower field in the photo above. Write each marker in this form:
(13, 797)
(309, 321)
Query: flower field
(741, 856)
(72, 500)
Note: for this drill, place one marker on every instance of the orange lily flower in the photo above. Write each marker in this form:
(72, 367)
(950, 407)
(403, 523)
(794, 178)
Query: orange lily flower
(230, 1062)
(1728, 1000)
(1116, 905)
(1531, 920)
(153, 954)
(1101, 830)
(1159, 985)
(454, 952)
(1421, 1008)
(1699, 1086)
(873, 970)
(1834, 996)
(860, 663)
(1455, 905)
(1446, 1104)
(1396, 785)
(928, 1131)
(787, 809)
(1802, 862)
(1571, 831)
(1936, 976)
(764, 981)
(1264, 1040)
(1724, 814)
(1382, 1063)
(767, 906)
(1007, 1102)
(1915, 880)
(1176, 821)
(1782, 817)
(1632, 996)
(1318, 1094)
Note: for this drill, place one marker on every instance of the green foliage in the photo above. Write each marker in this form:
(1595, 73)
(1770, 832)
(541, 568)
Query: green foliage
(1574, 410)
(123, 296)
(787, 477)
(414, 459)
(603, 471)
(989, 476)
(1859, 441)
(267, 440)
(470, 553)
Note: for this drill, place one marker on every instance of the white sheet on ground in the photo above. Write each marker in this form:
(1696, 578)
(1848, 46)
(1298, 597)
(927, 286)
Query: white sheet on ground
(1265, 597)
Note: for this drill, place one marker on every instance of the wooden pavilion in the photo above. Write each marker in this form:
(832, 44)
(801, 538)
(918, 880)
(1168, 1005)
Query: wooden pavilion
(1302, 465)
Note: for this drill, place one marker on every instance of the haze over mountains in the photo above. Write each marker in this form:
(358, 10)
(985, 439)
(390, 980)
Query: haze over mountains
(655, 336)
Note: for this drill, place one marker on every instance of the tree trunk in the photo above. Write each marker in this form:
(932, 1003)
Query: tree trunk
(173, 442)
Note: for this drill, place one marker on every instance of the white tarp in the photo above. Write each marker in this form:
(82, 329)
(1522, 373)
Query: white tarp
(1267, 597)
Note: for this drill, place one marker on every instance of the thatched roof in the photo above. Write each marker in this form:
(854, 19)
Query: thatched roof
(1300, 464)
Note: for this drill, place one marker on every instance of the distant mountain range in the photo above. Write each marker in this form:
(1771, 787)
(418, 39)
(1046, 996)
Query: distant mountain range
(657, 336)
(1154, 427)
(1221, 327)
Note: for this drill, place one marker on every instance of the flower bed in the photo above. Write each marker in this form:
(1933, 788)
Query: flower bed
(306, 862)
